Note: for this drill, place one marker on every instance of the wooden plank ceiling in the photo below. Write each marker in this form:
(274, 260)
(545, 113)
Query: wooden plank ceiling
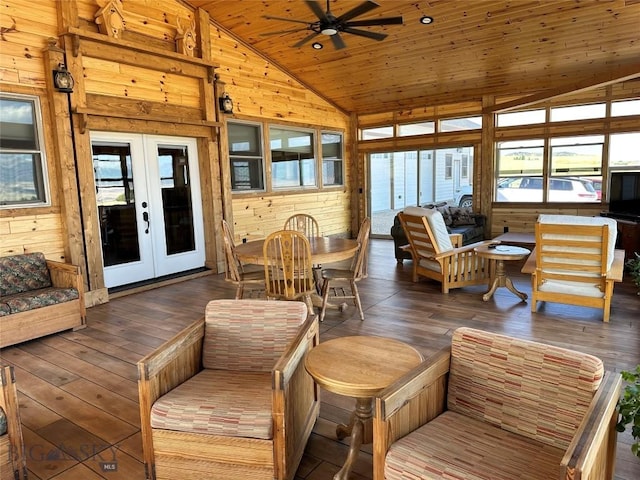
(472, 48)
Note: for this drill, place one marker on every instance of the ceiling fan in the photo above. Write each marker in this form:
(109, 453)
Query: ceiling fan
(330, 25)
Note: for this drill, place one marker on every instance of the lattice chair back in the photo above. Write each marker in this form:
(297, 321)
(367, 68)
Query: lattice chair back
(233, 272)
(359, 263)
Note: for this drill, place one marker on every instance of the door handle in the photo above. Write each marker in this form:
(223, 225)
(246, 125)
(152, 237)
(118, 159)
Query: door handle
(145, 217)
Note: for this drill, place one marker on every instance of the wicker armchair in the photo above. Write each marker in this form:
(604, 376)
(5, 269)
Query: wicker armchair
(438, 255)
(228, 397)
(498, 407)
(13, 465)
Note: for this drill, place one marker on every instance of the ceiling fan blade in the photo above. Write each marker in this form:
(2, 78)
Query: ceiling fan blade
(365, 33)
(338, 42)
(306, 39)
(269, 17)
(317, 10)
(359, 10)
(375, 22)
(266, 34)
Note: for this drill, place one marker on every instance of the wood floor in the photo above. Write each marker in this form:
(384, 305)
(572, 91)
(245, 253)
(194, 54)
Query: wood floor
(78, 392)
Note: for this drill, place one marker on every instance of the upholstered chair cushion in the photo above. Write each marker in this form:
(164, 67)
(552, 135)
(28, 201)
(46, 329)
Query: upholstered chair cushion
(437, 225)
(569, 220)
(254, 349)
(218, 402)
(538, 391)
(21, 273)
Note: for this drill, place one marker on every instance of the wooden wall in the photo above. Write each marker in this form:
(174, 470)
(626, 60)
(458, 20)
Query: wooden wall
(139, 83)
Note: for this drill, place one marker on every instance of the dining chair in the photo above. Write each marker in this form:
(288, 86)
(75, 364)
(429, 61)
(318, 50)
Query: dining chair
(288, 270)
(234, 272)
(303, 222)
(340, 284)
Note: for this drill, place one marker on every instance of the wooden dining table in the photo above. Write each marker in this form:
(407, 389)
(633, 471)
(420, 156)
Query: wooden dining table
(323, 250)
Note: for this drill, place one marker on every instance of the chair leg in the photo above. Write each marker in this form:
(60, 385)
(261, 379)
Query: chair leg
(356, 298)
(325, 298)
(239, 292)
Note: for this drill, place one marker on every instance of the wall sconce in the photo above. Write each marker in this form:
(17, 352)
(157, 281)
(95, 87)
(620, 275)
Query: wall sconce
(226, 103)
(62, 79)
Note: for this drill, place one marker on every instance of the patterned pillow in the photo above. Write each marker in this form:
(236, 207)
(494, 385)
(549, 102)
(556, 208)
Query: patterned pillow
(446, 214)
(462, 216)
(21, 273)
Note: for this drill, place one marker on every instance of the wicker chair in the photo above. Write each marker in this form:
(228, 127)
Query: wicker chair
(494, 406)
(288, 270)
(575, 261)
(13, 464)
(228, 397)
(253, 281)
(438, 255)
(340, 284)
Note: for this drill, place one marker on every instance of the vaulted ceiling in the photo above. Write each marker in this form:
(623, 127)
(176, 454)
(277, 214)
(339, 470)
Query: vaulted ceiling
(472, 48)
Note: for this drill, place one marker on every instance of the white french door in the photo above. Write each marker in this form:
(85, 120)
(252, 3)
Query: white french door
(149, 205)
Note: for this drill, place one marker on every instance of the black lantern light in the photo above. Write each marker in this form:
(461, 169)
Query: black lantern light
(62, 79)
(226, 103)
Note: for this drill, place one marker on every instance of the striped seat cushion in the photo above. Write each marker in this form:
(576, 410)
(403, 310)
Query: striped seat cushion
(218, 402)
(454, 446)
(539, 391)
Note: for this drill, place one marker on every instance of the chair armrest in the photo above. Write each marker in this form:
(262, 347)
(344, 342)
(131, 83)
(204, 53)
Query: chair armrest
(307, 338)
(411, 401)
(456, 239)
(459, 250)
(66, 275)
(173, 362)
(592, 452)
(9, 403)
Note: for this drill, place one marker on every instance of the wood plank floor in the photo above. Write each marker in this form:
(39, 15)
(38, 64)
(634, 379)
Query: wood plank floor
(78, 392)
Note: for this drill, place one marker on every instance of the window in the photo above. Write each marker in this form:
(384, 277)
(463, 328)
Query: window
(627, 107)
(520, 171)
(22, 158)
(377, 133)
(245, 155)
(332, 159)
(528, 117)
(457, 124)
(292, 158)
(464, 166)
(448, 166)
(421, 128)
(578, 112)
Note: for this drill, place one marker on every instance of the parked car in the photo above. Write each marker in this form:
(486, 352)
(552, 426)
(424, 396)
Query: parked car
(561, 189)
(464, 196)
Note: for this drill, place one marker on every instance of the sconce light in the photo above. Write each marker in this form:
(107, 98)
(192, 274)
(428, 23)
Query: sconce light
(62, 79)
(226, 103)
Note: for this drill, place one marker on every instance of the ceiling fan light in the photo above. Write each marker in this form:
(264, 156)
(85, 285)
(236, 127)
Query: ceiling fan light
(317, 46)
(328, 31)
(426, 20)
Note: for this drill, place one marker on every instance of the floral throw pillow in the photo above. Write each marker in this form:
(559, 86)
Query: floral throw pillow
(462, 216)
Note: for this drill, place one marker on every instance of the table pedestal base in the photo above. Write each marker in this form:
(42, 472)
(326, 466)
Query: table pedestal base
(360, 429)
(501, 280)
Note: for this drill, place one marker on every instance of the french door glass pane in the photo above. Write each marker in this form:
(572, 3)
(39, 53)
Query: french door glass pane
(173, 163)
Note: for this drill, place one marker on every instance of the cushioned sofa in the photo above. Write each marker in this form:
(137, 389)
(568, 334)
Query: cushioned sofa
(458, 220)
(38, 297)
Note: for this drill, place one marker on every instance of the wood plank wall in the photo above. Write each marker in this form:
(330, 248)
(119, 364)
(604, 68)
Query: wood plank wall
(108, 81)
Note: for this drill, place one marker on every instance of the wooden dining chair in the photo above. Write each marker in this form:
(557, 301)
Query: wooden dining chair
(288, 270)
(234, 272)
(304, 223)
(340, 284)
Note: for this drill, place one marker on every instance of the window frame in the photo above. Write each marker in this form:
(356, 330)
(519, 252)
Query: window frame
(267, 163)
(44, 197)
(251, 158)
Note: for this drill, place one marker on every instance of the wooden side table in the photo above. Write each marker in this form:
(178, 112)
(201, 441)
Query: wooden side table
(359, 367)
(501, 253)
